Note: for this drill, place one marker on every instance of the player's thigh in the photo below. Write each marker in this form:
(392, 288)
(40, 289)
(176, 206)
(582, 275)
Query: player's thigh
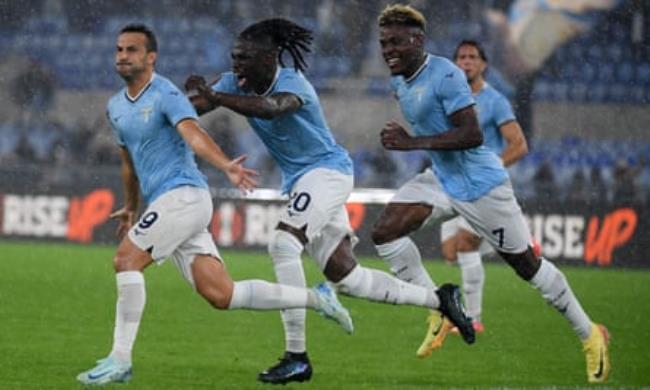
(211, 280)
(473, 238)
(419, 201)
(171, 220)
(315, 199)
(199, 245)
(334, 241)
(498, 218)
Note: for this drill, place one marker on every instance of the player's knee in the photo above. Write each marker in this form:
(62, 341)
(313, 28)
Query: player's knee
(449, 250)
(217, 297)
(525, 264)
(467, 242)
(283, 246)
(381, 233)
(126, 260)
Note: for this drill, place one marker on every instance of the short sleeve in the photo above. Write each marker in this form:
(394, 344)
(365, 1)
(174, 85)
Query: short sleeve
(502, 111)
(115, 131)
(227, 84)
(175, 106)
(292, 82)
(454, 91)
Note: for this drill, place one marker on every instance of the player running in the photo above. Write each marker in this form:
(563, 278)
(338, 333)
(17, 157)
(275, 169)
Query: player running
(501, 134)
(469, 179)
(156, 128)
(283, 109)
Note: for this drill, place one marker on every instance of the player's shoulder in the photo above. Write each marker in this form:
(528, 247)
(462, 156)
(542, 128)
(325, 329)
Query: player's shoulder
(116, 99)
(494, 94)
(441, 68)
(163, 84)
(291, 75)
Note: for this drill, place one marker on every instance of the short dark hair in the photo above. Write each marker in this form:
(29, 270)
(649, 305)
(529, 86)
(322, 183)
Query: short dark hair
(470, 42)
(152, 42)
(281, 35)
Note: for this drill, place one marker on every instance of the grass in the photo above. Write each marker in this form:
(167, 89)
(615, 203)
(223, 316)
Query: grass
(57, 306)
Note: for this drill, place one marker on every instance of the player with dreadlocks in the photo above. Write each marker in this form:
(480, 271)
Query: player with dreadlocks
(285, 112)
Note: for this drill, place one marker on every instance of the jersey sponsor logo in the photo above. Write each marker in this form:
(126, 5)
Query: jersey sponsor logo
(449, 75)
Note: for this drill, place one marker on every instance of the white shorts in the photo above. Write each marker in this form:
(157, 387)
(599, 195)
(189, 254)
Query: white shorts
(497, 218)
(317, 200)
(426, 189)
(175, 225)
(449, 228)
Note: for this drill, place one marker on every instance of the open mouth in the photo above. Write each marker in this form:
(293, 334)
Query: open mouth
(241, 80)
(393, 62)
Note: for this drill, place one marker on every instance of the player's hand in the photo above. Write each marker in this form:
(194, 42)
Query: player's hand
(395, 137)
(243, 178)
(193, 81)
(126, 219)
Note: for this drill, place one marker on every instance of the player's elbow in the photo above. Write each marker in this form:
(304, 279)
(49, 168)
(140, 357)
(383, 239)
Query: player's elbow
(474, 137)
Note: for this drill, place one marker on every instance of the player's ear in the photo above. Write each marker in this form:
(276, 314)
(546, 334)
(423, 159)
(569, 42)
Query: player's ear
(418, 38)
(151, 57)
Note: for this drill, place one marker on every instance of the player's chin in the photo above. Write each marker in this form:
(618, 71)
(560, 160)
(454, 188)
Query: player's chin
(395, 70)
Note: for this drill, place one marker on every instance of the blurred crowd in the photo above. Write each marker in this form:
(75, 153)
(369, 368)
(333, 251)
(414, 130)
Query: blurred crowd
(593, 171)
(611, 34)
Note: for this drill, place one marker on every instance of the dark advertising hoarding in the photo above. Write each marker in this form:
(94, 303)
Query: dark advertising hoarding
(604, 235)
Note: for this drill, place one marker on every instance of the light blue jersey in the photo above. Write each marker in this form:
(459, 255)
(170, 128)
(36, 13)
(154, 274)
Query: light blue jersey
(494, 111)
(427, 99)
(298, 141)
(146, 126)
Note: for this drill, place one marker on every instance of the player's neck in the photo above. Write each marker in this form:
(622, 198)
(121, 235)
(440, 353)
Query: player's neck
(416, 66)
(264, 85)
(477, 85)
(134, 87)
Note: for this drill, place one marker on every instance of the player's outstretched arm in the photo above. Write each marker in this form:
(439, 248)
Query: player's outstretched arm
(516, 145)
(127, 214)
(207, 149)
(264, 107)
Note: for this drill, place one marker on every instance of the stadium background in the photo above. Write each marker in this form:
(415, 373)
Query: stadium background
(577, 71)
(580, 94)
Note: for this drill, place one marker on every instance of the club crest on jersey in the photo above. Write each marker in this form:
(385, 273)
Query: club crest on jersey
(418, 92)
(146, 113)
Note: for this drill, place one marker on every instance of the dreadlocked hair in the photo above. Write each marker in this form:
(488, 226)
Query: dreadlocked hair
(285, 35)
(402, 15)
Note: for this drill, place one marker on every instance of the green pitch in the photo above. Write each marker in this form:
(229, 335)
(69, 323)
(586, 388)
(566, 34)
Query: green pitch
(57, 307)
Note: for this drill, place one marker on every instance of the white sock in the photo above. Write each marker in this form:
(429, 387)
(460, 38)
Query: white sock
(380, 286)
(131, 297)
(405, 262)
(473, 276)
(262, 295)
(555, 289)
(285, 249)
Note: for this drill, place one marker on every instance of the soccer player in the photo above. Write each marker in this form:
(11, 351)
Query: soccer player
(501, 134)
(157, 131)
(469, 180)
(283, 109)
